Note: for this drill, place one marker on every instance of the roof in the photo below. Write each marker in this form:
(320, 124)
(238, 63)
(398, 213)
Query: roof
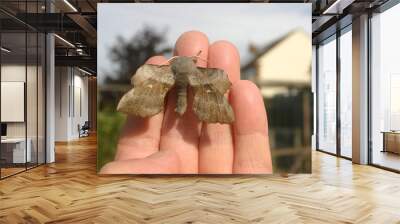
(269, 47)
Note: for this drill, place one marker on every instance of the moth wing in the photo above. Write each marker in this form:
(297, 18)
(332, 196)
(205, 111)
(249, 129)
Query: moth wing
(151, 85)
(210, 104)
(158, 72)
(217, 77)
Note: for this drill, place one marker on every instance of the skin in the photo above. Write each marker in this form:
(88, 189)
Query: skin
(171, 144)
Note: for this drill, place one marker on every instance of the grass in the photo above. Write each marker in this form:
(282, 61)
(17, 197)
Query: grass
(109, 128)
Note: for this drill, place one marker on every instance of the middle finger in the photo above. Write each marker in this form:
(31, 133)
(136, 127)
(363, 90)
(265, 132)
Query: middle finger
(181, 133)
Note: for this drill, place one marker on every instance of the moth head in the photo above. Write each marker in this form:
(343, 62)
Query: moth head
(183, 64)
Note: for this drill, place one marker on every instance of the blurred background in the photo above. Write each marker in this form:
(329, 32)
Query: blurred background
(274, 42)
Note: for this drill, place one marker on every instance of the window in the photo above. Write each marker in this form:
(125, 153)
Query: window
(22, 88)
(327, 96)
(346, 93)
(385, 89)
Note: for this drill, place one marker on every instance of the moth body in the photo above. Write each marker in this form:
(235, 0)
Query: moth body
(182, 67)
(181, 101)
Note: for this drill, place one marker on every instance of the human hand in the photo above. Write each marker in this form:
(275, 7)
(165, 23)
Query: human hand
(171, 144)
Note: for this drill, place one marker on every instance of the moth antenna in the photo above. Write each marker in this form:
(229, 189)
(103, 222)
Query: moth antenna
(198, 57)
(198, 54)
(169, 60)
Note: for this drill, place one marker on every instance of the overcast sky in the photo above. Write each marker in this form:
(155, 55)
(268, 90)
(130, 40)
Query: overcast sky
(240, 23)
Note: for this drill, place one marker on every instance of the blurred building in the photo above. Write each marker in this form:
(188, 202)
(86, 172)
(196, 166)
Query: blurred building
(282, 70)
(282, 65)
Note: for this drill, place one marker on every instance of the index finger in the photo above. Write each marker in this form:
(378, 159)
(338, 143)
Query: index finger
(181, 133)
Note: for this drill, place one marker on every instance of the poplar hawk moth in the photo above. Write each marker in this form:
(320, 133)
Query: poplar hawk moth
(151, 83)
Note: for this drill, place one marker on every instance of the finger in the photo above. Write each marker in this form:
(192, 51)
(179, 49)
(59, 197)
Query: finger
(223, 54)
(216, 145)
(190, 44)
(181, 133)
(140, 137)
(162, 162)
(252, 153)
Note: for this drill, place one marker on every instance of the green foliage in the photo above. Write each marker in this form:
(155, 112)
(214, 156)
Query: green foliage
(110, 125)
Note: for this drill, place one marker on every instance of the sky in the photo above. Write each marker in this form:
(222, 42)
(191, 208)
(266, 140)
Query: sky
(239, 23)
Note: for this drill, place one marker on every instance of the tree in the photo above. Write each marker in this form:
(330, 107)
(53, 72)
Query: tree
(130, 54)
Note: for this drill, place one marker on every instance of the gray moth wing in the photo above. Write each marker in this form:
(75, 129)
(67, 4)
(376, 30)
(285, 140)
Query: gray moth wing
(210, 104)
(214, 76)
(151, 83)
